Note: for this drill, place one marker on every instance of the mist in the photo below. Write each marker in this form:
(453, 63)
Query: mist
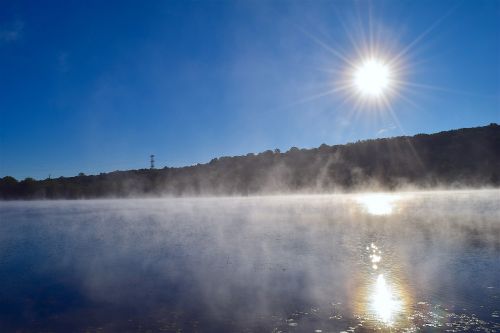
(260, 263)
(394, 164)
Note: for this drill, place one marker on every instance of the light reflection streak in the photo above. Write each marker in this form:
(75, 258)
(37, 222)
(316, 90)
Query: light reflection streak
(383, 298)
(385, 305)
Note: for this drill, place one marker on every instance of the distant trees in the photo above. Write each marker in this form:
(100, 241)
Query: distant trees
(465, 157)
(9, 186)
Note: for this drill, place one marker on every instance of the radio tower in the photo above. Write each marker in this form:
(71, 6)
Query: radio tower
(152, 160)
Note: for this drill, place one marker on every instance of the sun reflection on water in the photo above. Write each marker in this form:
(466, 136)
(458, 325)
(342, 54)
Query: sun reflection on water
(378, 203)
(384, 303)
(375, 256)
(383, 297)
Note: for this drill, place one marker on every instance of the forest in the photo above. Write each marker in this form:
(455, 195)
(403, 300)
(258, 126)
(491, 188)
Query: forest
(468, 157)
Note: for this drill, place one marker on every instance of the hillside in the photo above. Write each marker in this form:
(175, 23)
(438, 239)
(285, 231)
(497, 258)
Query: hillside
(468, 157)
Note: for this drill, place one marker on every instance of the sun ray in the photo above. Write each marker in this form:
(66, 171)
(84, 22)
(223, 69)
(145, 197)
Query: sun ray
(426, 32)
(327, 47)
(314, 97)
(438, 88)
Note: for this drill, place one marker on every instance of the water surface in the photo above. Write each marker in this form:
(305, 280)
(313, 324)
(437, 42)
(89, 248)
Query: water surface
(312, 263)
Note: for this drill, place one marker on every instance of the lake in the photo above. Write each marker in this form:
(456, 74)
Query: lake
(405, 261)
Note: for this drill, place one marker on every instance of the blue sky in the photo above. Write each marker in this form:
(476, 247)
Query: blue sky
(95, 86)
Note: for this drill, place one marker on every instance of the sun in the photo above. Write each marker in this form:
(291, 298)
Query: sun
(372, 78)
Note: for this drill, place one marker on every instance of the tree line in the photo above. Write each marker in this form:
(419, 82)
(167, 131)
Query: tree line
(468, 157)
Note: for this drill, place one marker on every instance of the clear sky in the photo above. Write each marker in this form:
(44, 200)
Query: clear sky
(97, 86)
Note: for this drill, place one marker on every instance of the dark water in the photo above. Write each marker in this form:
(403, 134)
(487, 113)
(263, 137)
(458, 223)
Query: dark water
(402, 262)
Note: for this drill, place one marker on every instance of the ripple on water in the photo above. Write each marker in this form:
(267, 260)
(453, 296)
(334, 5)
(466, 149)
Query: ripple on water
(424, 316)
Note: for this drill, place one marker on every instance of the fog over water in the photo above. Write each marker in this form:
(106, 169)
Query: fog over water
(404, 261)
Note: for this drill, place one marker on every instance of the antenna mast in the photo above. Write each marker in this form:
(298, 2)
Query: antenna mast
(152, 161)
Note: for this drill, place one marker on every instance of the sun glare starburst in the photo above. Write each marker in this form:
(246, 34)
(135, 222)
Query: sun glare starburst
(370, 73)
(372, 78)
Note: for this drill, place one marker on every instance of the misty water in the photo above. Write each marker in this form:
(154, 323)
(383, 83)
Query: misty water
(404, 261)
